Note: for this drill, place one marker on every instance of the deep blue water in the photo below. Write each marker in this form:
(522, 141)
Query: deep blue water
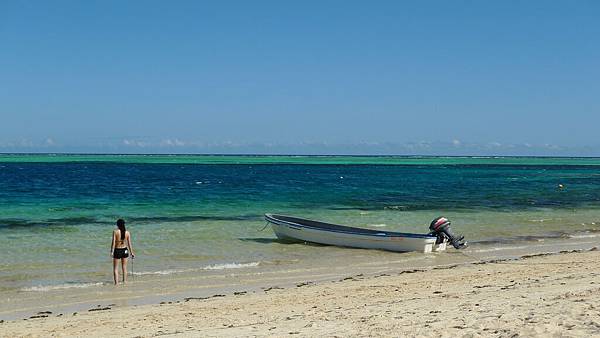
(61, 193)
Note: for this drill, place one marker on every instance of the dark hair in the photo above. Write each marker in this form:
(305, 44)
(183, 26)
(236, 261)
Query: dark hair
(121, 225)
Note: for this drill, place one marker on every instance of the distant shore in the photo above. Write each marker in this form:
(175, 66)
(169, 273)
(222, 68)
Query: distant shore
(540, 295)
(322, 159)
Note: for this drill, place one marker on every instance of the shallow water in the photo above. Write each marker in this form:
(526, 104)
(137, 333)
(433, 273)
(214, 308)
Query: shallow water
(203, 214)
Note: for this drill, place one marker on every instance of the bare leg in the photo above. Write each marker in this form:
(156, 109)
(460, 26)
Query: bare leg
(124, 269)
(116, 270)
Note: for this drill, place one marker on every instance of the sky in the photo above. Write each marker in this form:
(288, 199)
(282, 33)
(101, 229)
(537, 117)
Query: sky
(314, 77)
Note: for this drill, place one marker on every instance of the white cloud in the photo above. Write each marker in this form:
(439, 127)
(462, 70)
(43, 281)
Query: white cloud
(24, 143)
(552, 146)
(135, 143)
(172, 143)
(176, 145)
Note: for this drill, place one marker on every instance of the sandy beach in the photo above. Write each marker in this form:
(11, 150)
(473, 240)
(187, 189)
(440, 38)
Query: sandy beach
(299, 169)
(542, 295)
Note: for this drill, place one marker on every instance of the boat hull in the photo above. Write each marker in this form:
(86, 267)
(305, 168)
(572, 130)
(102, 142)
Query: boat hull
(351, 237)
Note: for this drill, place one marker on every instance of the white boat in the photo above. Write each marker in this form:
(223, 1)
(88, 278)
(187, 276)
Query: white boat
(300, 229)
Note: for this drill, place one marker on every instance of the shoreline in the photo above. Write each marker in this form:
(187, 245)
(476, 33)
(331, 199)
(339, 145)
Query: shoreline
(199, 283)
(568, 274)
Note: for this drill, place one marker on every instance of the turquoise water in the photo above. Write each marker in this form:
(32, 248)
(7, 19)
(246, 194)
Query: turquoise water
(204, 213)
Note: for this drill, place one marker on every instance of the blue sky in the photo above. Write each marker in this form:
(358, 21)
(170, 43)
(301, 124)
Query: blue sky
(390, 77)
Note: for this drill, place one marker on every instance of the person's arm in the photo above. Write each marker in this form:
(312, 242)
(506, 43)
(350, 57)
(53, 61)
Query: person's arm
(129, 245)
(112, 244)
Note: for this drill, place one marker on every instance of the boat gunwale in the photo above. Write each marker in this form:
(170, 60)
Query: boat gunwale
(273, 218)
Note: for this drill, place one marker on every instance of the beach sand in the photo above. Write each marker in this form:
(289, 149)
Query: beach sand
(543, 296)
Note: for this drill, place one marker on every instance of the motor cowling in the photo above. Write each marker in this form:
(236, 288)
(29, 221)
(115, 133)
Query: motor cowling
(440, 227)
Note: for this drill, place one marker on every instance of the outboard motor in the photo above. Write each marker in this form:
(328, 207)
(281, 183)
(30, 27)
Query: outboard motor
(440, 227)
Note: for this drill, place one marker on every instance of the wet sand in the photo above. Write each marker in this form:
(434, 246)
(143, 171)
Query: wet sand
(542, 295)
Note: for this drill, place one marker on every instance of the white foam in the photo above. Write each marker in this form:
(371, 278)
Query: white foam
(502, 248)
(61, 286)
(378, 225)
(209, 267)
(161, 272)
(231, 266)
(584, 236)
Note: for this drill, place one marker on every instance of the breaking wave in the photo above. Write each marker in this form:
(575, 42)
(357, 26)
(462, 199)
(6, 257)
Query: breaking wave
(39, 288)
(231, 266)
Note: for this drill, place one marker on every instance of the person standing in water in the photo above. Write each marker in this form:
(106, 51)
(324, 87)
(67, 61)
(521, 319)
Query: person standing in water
(120, 249)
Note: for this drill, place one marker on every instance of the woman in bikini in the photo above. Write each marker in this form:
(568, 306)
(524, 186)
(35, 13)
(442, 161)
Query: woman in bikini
(120, 249)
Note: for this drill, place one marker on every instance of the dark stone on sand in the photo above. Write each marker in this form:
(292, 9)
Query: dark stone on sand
(100, 309)
(44, 313)
(187, 299)
(273, 288)
(381, 275)
(482, 286)
(38, 316)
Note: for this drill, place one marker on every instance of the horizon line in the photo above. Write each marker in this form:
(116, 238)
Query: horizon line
(294, 155)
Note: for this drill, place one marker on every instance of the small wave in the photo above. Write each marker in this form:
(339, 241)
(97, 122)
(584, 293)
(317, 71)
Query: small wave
(61, 286)
(584, 236)
(231, 266)
(209, 267)
(522, 238)
(395, 207)
(378, 225)
(503, 248)
(161, 272)
(540, 220)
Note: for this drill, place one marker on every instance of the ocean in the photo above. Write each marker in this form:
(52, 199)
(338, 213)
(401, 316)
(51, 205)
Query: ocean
(202, 215)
